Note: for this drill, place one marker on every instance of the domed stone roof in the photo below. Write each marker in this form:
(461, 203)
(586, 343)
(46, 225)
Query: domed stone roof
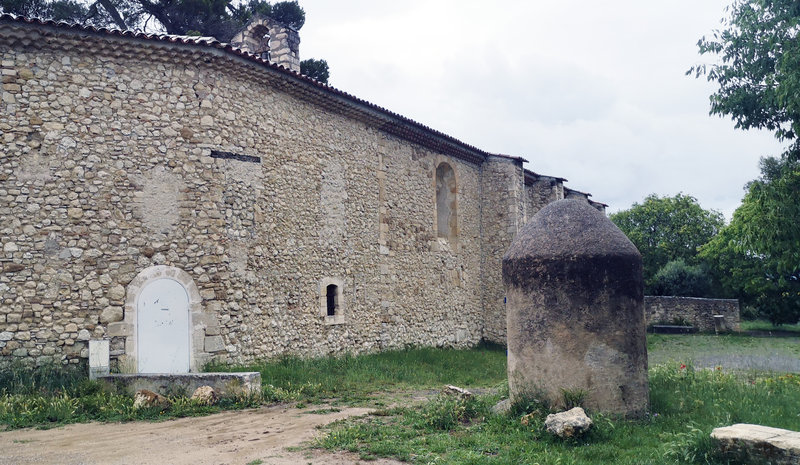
(569, 228)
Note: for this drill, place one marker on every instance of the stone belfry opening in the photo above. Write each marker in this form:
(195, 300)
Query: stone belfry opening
(270, 40)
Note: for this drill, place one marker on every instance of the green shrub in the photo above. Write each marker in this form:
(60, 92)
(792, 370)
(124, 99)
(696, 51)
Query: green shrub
(529, 403)
(573, 397)
(679, 279)
(446, 412)
(692, 446)
(20, 378)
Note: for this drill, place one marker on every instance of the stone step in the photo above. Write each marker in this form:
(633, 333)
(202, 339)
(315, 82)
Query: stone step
(226, 384)
(759, 444)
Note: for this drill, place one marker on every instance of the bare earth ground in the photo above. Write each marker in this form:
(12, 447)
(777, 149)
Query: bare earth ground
(230, 438)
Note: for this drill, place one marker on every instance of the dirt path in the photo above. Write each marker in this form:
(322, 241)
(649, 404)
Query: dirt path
(230, 438)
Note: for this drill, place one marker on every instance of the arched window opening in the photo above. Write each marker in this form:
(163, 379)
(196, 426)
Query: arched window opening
(446, 211)
(331, 301)
(260, 36)
(332, 298)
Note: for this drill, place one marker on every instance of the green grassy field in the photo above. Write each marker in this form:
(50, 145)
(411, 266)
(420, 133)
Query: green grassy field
(686, 404)
(354, 379)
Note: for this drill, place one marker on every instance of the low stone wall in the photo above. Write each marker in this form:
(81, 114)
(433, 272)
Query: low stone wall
(692, 310)
(225, 384)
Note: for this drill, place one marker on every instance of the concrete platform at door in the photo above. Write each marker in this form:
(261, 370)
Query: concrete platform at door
(225, 384)
(759, 444)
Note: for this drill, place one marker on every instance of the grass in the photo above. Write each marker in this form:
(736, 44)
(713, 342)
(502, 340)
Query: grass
(737, 351)
(763, 325)
(51, 395)
(353, 379)
(685, 404)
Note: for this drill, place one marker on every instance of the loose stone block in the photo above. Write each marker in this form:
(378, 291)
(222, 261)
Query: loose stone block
(575, 312)
(568, 424)
(757, 444)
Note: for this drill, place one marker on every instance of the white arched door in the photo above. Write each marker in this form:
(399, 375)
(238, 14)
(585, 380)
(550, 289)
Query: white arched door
(162, 310)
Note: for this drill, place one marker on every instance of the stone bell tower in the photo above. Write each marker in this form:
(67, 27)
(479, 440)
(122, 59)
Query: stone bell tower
(272, 41)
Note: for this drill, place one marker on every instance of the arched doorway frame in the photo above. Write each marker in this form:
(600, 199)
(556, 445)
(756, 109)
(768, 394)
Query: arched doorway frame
(197, 356)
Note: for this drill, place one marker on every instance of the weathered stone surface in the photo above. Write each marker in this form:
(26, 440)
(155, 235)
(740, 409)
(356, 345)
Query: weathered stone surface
(695, 311)
(450, 390)
(111, 314)
(116, 293)
(146, 399)
(13, 267)
(108, 170)
(757, 444)
(502, 407)
(119, 329)
(575, 313)
(568, 424)
(205, 395)
(224, 384)
(214, 344)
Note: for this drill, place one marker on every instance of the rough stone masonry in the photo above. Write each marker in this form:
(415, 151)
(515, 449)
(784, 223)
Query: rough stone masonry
(575, 312)
(297, 218)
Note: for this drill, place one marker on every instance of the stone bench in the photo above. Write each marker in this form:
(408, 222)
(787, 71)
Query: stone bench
(225, 384)
(759, 444)
(673, 329)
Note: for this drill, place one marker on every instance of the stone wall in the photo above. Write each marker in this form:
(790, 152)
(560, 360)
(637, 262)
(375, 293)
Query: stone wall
(540, 191)
(109, 169)
(127, 157)
(696, 311)
(503, 196)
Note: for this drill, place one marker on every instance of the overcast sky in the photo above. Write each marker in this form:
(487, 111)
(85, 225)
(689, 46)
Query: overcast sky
(591, 91)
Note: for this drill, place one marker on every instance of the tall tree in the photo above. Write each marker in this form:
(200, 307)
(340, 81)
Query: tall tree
(758, 74)
(665, 229)
(757, 257)
(217, 18)
(759, 69)
(317, 69)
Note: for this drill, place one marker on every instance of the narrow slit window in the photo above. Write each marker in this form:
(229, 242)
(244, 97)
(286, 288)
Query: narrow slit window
(446, 209)
(331, 301)
(332, 298)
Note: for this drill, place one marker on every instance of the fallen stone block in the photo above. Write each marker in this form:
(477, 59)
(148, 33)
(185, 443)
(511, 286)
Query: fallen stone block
(759, 444)
(205, 395)
(502, 407)
(456, 391)
(224, 384)
(146, 399)
(568, 424)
